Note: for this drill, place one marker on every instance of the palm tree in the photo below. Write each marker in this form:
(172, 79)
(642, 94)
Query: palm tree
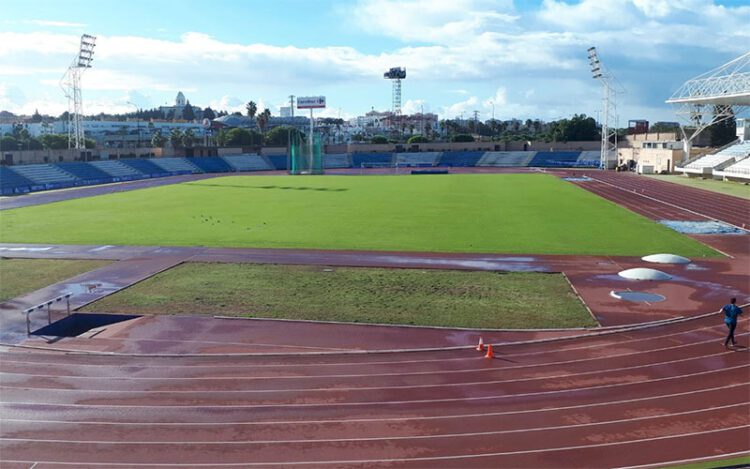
(188, 138)
(175, 138)
(263, 119)
(252, 108)
(158, 140)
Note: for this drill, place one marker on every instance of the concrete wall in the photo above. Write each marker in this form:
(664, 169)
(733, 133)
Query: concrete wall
(656, 160)
(59, 156)
(473, 146)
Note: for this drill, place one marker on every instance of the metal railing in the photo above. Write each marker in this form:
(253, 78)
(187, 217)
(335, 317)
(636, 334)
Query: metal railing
(48, 305)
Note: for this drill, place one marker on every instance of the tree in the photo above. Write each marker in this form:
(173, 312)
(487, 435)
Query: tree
(418, 139)
(463, 138)
(209, 114)
(378, 140)
(279, 136)
(54, 141)
(89, 143)
(221, 137)
(251, 108)
(725, 131)
(188, 138)
(188, 113)
(262, 120)
(242, 137)
(662, 127)
(175, 137)
(158, 140)
(10, 143)
(358, 137)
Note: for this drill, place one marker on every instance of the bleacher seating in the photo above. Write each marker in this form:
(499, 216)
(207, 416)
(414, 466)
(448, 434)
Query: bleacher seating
(278, 161)
(148, 168)
(735, 152)
(119, 171)
(248, 162)
(176, 165)
(506, 158)
(460, 158)
(358, 159)
(554, 159)
(590, 159)
(740, 169)
(87, 173)
(13, 183)
(46, 176)
(210, 164)
(428, 158)
(337, 160)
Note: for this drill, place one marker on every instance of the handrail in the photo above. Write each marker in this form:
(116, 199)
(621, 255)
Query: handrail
(48, 304)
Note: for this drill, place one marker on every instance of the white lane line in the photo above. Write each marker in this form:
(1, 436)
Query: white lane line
(715, 457)
(336, 389)
(469, 370)
(373, 403)
(101, 248)
(414, 459)
(388, 419)
(382, 438)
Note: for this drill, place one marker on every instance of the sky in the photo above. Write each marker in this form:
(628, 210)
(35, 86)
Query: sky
(503, 58)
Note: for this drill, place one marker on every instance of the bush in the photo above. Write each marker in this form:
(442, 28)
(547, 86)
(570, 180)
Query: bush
(463, 138)
(418, 139)
(379, 139)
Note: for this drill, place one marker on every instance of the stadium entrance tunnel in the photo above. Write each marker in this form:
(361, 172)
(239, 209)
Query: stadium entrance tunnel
(80, 323)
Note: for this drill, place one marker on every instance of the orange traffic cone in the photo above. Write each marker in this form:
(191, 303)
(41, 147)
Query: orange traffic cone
(480, 347)
(489, 352)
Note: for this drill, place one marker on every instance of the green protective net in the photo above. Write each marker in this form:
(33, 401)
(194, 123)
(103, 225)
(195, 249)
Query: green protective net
(305, 158)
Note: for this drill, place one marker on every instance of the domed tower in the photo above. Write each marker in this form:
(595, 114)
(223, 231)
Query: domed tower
(179, 101)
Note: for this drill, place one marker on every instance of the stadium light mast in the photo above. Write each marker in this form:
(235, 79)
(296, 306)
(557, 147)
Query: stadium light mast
(396, 74)
(71, 86)
(609, 121)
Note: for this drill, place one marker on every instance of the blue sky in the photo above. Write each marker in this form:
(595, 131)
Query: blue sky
(524, 59)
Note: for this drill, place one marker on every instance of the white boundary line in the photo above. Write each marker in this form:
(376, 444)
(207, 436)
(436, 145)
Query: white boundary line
(387, 419)
(396, 460)
(372, 403)
(383, 438)
(336, 389)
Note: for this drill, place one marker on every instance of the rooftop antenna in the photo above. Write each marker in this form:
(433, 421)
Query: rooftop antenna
(71, 86)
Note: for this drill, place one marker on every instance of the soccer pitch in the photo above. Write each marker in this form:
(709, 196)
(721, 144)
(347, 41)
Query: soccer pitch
(512, 213)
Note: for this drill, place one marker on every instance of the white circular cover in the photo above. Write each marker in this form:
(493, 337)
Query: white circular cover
(666, 259)
(641, 273)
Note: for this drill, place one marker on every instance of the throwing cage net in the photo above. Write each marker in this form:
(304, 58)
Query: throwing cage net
(304, 157)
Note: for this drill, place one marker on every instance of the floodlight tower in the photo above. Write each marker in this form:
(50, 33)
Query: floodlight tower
(71, 86)
(609, 121)
(396, 74)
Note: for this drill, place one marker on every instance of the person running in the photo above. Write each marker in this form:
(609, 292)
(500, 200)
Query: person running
(731, 311)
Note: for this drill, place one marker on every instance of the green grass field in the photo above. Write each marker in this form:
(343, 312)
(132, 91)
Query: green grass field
(736, 189)
(384, 296)
(21, 276)
(517, 213)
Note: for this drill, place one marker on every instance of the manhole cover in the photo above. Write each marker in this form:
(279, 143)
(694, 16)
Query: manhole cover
(637, 296)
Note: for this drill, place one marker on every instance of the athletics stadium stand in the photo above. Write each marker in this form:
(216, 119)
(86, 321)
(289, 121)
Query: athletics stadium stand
(716, 161)
(278, 161)
(148, 168)
(176, 164)
(738, 170)
(117, 170)
(46, 176)
(590, 159)
(553, 159)
(360, 159)
(428, 158)
(87, 173)
(247, 162)
(506, 158)
(460, 158)
(209, 164)
(13, 183)
(336, 160)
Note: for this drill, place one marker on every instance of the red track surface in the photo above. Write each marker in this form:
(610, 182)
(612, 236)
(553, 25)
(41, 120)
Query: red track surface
(631, 397)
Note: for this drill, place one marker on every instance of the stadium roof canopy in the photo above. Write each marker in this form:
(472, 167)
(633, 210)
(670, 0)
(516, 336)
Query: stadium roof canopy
(728, 85)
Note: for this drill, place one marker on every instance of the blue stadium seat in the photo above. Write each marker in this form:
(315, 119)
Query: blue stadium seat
(87, 173)
(358, 159)
(460, 158)
(210, 164)
(146, 167)
(13, 183)
(555, 159)
(278, 161)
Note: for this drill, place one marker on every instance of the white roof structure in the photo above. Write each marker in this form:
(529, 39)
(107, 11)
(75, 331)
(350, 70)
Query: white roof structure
(728, 85)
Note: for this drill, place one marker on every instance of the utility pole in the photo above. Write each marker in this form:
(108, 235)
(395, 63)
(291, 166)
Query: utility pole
(291, 103)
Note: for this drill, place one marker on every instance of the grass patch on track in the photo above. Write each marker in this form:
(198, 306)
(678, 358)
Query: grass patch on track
(489, 213)
(736, 189)
(366, 295)
(741, 461)
(21, 276)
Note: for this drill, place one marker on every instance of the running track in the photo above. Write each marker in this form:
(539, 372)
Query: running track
(646, 396)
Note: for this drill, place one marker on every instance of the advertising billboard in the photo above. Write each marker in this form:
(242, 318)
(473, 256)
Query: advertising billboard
(311, 102)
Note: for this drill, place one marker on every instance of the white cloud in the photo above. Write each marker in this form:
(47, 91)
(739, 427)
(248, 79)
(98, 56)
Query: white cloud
(57, 24)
